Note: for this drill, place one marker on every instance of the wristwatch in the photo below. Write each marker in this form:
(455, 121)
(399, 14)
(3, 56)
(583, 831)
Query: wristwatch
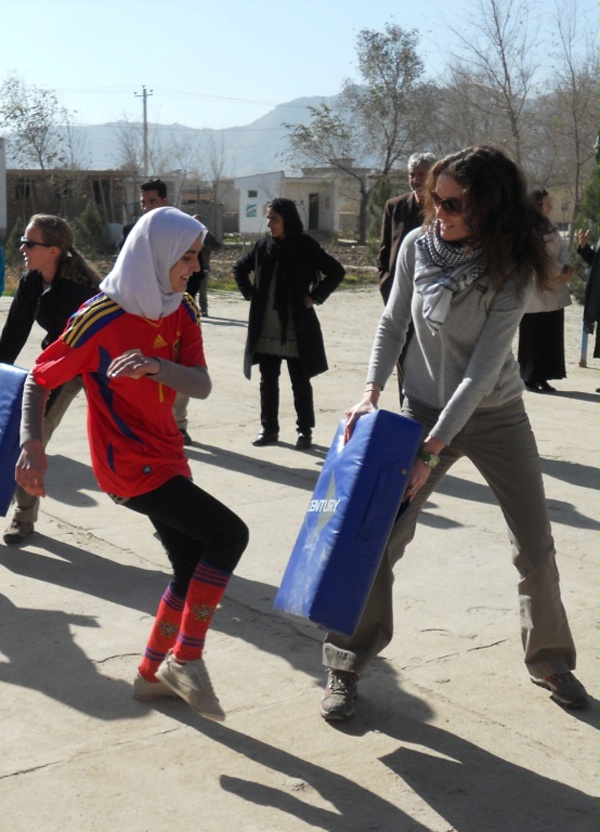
(430, 460)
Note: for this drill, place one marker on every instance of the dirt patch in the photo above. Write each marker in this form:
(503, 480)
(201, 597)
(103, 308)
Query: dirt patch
(357, 260)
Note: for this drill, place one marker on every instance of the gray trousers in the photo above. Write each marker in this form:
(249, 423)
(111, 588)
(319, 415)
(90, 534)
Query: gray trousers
(501, 445)
(25, 507)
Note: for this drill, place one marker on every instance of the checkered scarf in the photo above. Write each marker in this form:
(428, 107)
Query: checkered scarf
(441, 270)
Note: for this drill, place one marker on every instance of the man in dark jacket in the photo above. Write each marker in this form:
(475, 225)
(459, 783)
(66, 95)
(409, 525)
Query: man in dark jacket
(153, 194)
(198, 282)
(400, 215)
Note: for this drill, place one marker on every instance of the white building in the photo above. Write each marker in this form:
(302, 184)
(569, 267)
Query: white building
(316, 197)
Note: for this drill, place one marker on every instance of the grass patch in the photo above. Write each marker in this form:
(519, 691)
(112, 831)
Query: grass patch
(226, 283)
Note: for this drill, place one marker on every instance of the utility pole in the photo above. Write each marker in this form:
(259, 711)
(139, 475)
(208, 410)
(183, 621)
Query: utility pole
(144, 95)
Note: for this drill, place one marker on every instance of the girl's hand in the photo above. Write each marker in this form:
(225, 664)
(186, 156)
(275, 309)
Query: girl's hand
(308, 302)
(31, 467)
(133, 364)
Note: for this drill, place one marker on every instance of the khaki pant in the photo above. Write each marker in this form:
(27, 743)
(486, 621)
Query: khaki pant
(501, 445)
(180, 407)
(26, 507)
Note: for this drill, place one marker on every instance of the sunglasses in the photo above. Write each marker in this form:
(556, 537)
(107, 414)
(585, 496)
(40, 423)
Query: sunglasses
(452, 205)
(31, 243)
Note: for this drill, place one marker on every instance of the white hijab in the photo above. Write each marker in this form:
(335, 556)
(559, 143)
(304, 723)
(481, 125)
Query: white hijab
(139, 281)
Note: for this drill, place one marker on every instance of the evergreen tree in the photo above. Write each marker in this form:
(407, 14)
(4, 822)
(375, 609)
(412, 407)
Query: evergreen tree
(12, 255)
(379, 195)
(89, 229)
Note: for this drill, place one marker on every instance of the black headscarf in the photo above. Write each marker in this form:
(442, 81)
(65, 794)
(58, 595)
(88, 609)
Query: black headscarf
(279, 250)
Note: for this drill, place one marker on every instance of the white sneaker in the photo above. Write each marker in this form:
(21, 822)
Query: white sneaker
(192, 683)
(145, 691)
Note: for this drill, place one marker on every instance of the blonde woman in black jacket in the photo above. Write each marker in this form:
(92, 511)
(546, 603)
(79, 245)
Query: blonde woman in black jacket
(292, 273)
(57, 281)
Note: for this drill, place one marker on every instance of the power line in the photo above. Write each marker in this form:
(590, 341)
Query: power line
(175, 94)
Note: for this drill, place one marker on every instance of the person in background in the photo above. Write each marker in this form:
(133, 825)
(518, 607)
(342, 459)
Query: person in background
(464, 280)
(198, 282)
(134, 345)
(541, 352)
(591, 303)
(197, 286)
(57, 281)
(292, 273)
(2, 270)
(153, 194)
(400, 215)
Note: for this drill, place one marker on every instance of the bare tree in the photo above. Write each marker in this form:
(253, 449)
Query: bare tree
(576, 97)
(130, 145)
(217, 161)
(176, 150)
(495, 74)
(77, 155)
(31, 117)
(173, 152)
(461, 116)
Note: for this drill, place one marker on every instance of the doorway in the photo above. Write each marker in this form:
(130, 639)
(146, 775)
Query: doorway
(313, 212)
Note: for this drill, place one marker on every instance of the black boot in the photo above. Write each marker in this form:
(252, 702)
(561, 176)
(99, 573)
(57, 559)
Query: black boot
(266, 437)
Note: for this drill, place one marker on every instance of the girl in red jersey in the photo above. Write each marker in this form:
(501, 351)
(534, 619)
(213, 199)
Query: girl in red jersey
(135, 345)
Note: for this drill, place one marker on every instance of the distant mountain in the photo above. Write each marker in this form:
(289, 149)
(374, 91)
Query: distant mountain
(253, 148)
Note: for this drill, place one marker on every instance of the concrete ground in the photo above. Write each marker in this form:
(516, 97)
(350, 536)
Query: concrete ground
(449, 732)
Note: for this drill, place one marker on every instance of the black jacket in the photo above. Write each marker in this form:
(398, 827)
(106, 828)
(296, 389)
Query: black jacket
(591, 303)
(51, 309)
(400, 215)
(310, 271)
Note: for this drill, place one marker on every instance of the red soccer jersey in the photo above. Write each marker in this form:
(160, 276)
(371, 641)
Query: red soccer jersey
(134, 442)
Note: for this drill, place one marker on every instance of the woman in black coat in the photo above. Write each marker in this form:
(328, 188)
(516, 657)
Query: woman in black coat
(292, 273)
(57, 281)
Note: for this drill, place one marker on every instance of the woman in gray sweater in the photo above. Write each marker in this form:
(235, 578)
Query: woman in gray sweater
(464, 280)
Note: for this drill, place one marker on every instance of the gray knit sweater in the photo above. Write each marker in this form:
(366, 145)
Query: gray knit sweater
(469, 363)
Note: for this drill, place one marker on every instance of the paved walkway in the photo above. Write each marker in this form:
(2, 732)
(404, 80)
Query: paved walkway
(449, 732)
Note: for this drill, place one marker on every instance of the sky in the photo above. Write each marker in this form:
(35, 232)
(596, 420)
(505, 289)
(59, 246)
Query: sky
(222, 63)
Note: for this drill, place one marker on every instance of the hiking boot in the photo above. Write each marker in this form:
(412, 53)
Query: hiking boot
(17, 532)
(146, 691)
(187, 439)
(266, 437)
(565, 689)
(339, 695)
(304, 441)
(191, 682)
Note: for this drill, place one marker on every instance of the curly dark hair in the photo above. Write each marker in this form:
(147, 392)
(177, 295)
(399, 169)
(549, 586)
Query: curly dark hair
(498, 210)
